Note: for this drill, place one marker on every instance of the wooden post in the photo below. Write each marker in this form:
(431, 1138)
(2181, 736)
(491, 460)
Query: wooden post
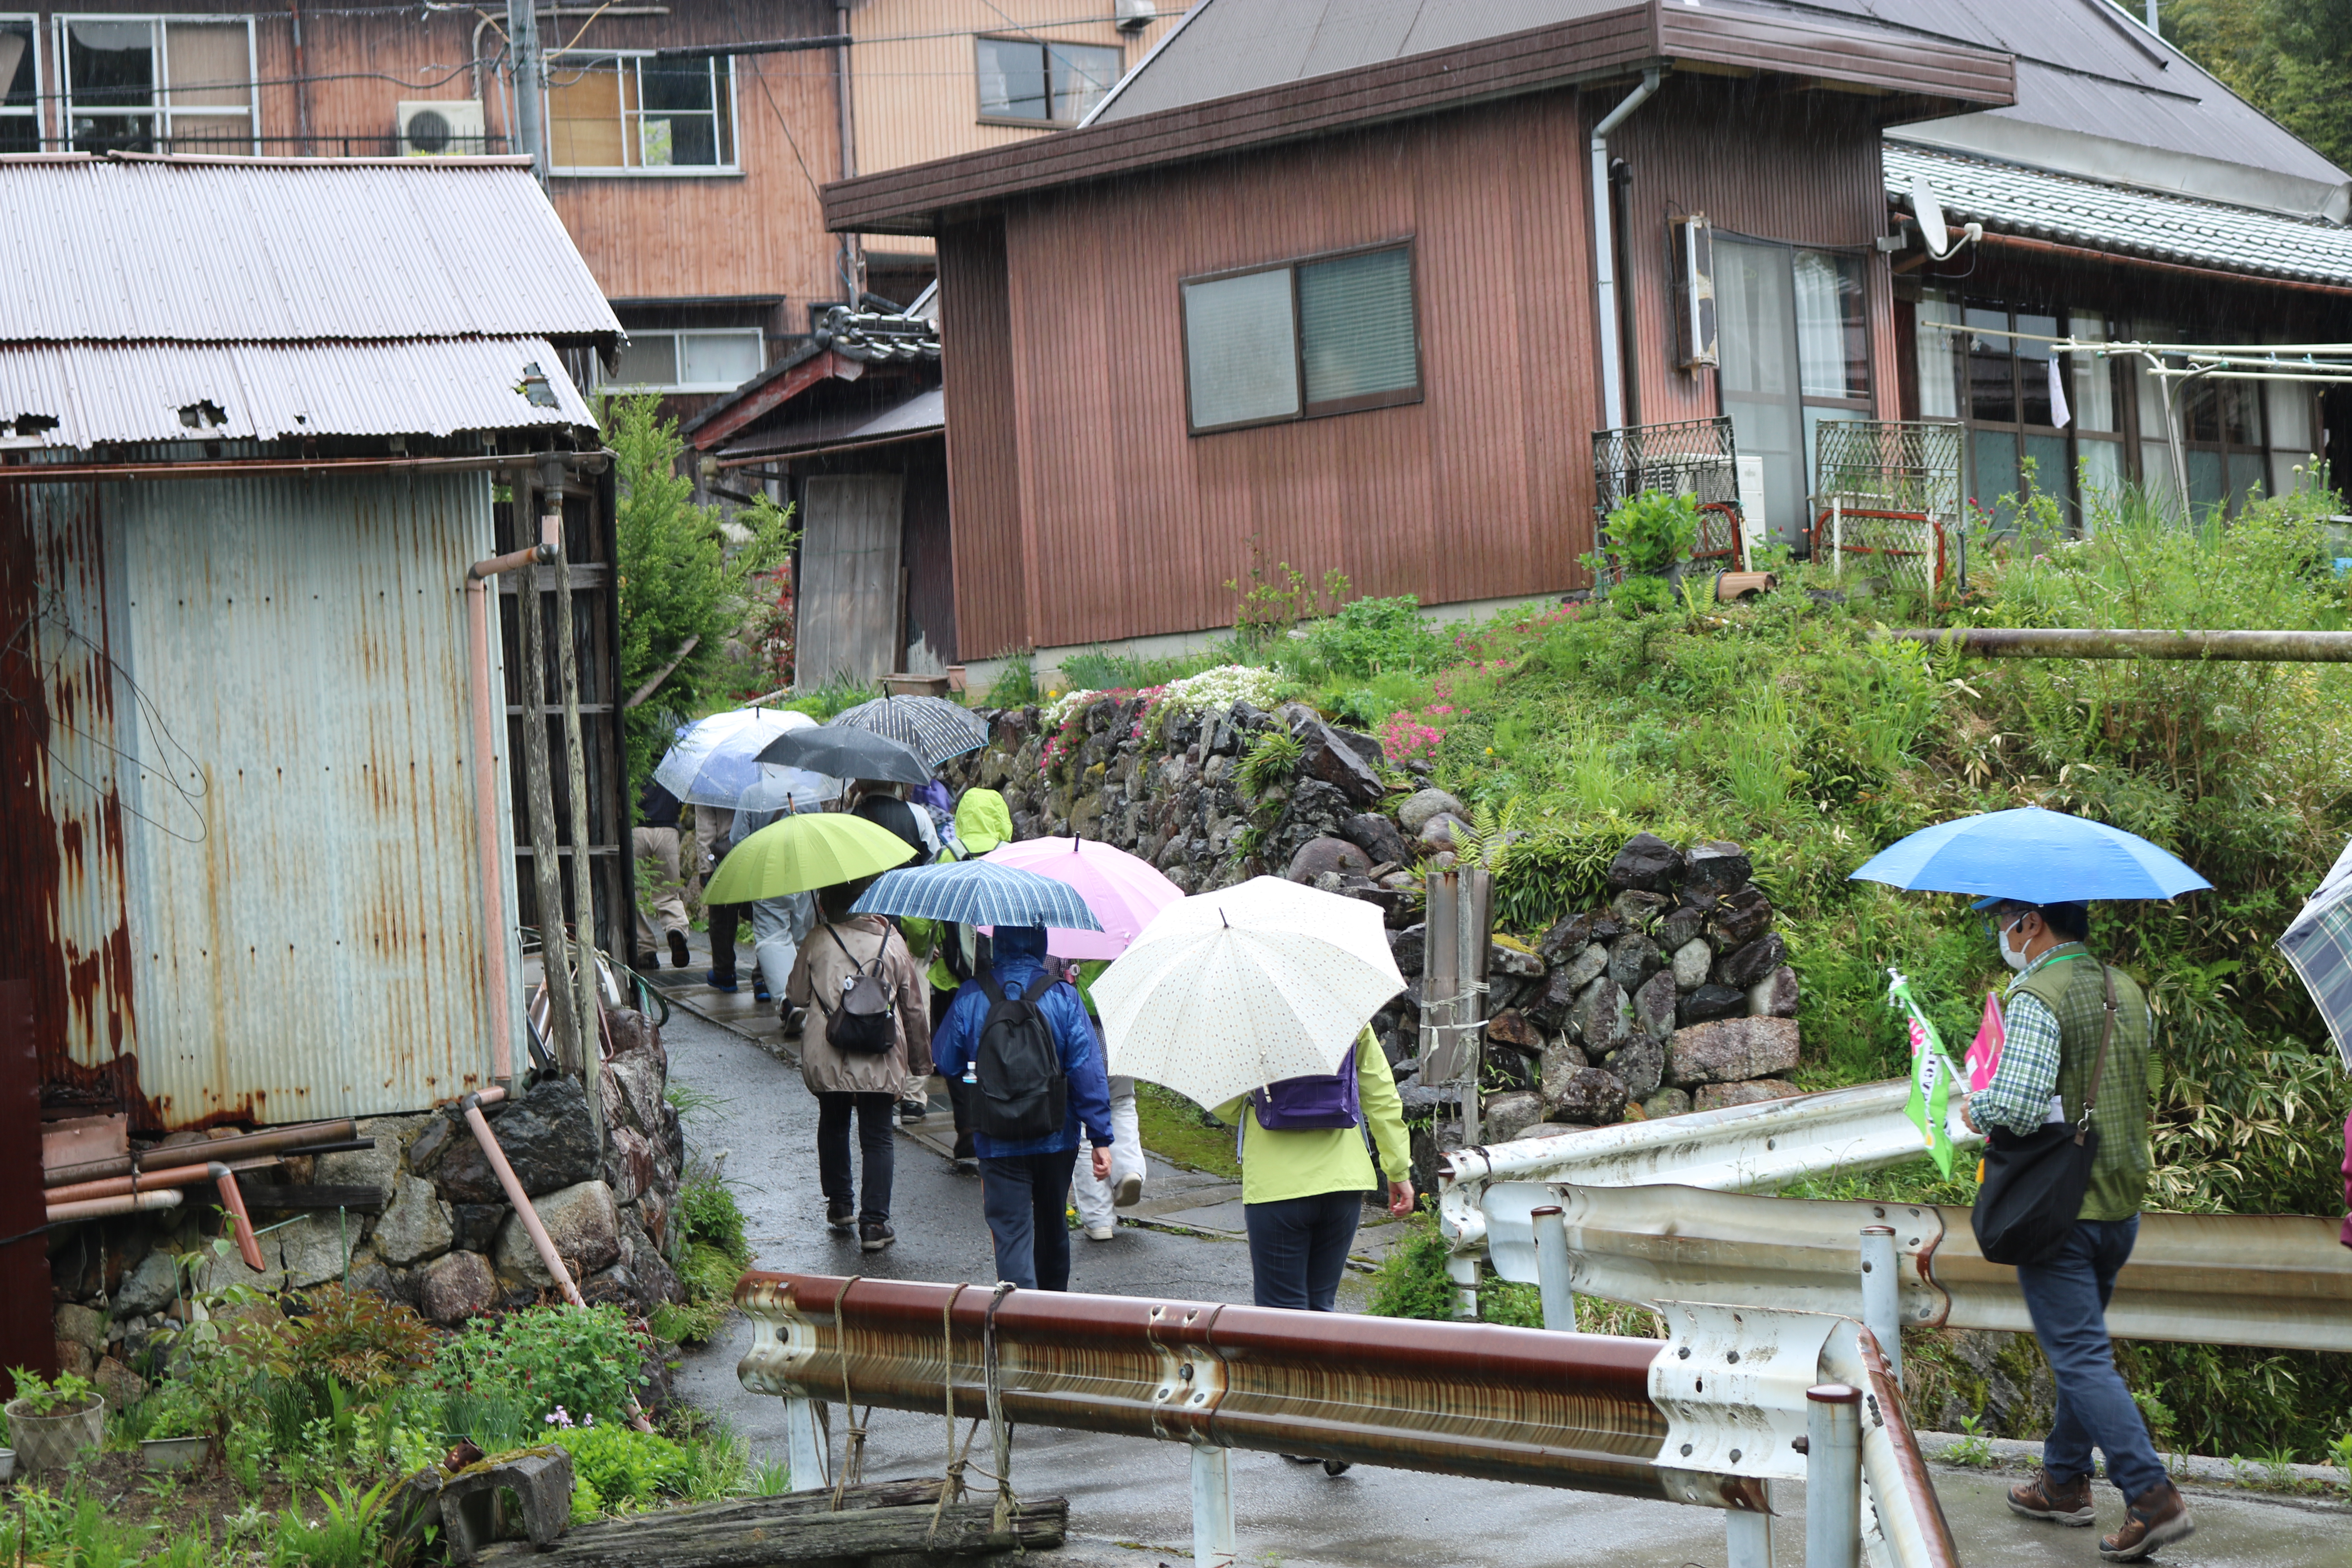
(1438, 952)
(545, 874)
(590, 1008)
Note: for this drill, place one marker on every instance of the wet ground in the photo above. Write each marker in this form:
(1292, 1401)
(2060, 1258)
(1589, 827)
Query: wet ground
(1129, 1498)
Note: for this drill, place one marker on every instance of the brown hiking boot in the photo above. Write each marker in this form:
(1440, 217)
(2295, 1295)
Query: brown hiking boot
(2156, 1517)
(2067, 1503)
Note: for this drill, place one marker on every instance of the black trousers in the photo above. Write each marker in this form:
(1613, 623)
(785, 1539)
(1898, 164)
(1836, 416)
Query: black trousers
(833, 1173)
(1298, 1248)
(959, 1092)
(1025, 1198)
(724, 918)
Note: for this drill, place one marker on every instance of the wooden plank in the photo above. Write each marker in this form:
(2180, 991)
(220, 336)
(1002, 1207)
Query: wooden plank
(761, 1531)
(364, 1195)
(849, 568)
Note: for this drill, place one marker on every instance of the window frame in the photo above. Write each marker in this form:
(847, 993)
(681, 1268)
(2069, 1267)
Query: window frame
(34, 110)
(676, 335)
(1042, 45)
(1362, 401)
(733, 168)
(160, 115)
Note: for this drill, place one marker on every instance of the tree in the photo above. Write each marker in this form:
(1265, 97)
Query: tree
(684, 574)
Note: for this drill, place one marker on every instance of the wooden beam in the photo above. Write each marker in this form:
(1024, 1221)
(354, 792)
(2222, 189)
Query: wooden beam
(759, 1532)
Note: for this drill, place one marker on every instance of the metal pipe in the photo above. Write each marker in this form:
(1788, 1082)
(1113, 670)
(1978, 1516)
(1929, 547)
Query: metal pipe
(539, 1240)
(1832, 1476)
(281, 1140)
(1748, 1540)
(1882, 1304)
(1604, 269)
(60, 473)
(103, 1208)
(1555, 1269)
(490, 864)
(530, 83)
(248, 1246)
(150, 1181)
(1213, 1507)
(764, 46)
(2072, 642)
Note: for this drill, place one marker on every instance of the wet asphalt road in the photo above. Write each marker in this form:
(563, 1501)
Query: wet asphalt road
(1129, 1498)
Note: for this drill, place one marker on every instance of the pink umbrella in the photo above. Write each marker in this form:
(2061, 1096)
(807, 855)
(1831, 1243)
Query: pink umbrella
(1124, 890)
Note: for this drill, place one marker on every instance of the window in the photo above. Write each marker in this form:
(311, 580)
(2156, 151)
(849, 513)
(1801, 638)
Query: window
(1301, 339)
(1037, 82)
(1794, 343)
(630, 114)
(144, 84)
(707, 361)
(20, 87)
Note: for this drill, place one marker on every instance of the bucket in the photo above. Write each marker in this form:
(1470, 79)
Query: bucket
(46, 1442)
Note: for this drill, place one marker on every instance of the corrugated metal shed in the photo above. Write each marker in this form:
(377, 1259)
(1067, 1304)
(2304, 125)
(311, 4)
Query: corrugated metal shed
(2008, 198)
(202, 251)
(178, 391)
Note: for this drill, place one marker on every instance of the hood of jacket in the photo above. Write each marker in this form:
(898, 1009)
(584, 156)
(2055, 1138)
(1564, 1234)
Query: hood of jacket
(983, 822)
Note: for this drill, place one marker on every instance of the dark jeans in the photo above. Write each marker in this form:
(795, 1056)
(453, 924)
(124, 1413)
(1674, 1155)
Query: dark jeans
(833, 1173)
(1026, 1199)
(724, 918)
(1298, 1248)
(2067, 1297)
(959, 1092)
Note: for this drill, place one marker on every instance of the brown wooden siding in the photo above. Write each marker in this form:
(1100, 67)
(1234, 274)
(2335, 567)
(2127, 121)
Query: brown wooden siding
(1097, 516)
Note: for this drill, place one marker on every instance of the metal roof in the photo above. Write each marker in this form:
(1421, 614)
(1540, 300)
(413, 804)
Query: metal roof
(127, 249)
(181, 391)
(2008, 198)
(917, 416)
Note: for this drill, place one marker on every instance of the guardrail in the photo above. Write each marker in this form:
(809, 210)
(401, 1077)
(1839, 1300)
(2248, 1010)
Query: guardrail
(2223, 1279)
(1704, 1419)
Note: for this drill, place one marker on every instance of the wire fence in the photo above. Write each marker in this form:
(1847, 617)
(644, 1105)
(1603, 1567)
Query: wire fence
(1887, 499)
(1694, 457)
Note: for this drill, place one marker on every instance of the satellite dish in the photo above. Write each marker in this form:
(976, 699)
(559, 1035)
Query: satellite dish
(1930, 214)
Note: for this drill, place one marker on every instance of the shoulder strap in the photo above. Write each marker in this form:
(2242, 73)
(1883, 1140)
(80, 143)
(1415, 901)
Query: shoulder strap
(2099, 1068)
(989, 989)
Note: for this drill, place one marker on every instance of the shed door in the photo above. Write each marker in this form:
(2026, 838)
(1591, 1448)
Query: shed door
(849, 578)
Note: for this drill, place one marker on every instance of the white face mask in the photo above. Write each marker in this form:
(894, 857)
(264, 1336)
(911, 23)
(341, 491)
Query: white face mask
(2009, 956)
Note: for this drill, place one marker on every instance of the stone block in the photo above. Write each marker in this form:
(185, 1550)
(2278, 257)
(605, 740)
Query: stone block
(1377, 836)
(1679, 927)
(1437, 834)
(454, 1286)
(1639, 909)
(1553, 1130)
(1504, 958)
(1646, 861)
(546, 1136)
(1775, 996)
(1691, 962)
(1319, 857)
(1562, 1060)
(373, 1167)
(1639, 1064)
(121, 1386)
(1568, 936)
(1667, 1102)
(1743, 966)
(475, 1226)
(1598, 1018)
(73, 1356)
(1511, 1029)
(1423, 804)
(82, 1326)
(1633, 961)
(1731, 1049)
(148, 1287)
(1592, 1096)
(417, 1225)
(312, 1248)
(1654, 1006)
(582, 1222)
(1740, 917)
(1508, 1116)
(1708, 1002)
(1716, 866)
(1716, 1096)
(1408, 947)
(1324, 755)
(633, 1083)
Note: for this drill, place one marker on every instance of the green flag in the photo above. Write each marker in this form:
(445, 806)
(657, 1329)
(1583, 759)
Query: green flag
(1932, 1074)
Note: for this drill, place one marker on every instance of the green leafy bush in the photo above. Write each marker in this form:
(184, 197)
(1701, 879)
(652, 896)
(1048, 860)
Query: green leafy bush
(588, 1362)
(617, 1469)
(1015, 684)
(707, 1208)
(710, 1276)
(1650, 531)
(1373, 637)
(1642, 595)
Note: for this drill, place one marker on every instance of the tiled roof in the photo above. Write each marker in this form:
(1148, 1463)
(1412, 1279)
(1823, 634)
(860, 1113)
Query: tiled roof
(2008, 198)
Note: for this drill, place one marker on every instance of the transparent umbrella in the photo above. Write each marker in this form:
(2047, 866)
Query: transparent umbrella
(714, 760)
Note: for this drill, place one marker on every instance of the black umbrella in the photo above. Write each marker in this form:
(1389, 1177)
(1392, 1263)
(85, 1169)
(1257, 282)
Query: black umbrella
(848, 753)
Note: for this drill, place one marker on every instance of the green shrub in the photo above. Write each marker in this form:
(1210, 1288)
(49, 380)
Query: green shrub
(621, 1469)
(1642, 595)
(706, 1207)
(710, 1277)
(1269, 763)
(1375, 636)
(589, 1363)
(1650, 531)
(1015, 684)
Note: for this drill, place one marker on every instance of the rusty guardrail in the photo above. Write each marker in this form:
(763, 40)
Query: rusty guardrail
(1707, 1417)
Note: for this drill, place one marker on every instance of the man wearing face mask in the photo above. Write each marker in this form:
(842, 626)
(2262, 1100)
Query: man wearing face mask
(2052, 1019)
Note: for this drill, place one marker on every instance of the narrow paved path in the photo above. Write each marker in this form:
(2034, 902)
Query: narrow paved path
(1129, 1498)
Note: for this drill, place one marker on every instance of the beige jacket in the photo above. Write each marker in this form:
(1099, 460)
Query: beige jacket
(815, 984)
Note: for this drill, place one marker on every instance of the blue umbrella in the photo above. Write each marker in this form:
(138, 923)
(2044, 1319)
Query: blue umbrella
(2033, 857)
(978, 893)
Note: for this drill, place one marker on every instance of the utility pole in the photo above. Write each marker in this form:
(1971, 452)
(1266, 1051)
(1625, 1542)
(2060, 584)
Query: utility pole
(2151, 17)
(530, 83)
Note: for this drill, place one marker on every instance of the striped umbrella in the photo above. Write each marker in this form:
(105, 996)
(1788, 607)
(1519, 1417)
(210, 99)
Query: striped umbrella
(932, 727)
(976, 893)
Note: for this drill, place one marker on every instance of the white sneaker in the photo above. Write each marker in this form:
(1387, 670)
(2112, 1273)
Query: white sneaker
(1129, 1192)
(1099, 1233)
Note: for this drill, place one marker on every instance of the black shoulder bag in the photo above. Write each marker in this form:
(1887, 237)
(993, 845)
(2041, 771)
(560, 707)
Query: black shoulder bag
(2033, 1184)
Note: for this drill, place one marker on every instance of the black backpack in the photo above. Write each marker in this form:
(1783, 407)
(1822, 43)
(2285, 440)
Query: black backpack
(864, 1024)
(1023, 1094)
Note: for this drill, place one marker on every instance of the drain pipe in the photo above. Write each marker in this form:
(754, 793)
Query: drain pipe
(486, 799)
(539, 1240)
(1604, 248)
(248, 1244)
(103, 1208)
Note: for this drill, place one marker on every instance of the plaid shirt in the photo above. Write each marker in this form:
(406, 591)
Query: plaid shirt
(2017, 1098)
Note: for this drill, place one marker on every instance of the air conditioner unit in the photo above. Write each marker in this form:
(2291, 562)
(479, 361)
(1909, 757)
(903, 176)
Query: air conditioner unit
(1694, 292)
(442, 127)
(1134, 15)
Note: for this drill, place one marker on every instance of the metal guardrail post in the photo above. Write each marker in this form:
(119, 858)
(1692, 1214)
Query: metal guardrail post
(804, 1443)
(1832, 1476)
(1555, 1270)
(1462, 1271)
(1212, 1506)
(1748, 1540)
(1882, 1306)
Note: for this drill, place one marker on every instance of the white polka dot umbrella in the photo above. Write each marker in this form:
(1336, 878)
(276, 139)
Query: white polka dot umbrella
(1229, 990)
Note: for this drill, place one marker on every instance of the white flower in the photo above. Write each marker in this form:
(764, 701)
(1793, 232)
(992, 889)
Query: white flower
(1058, 713)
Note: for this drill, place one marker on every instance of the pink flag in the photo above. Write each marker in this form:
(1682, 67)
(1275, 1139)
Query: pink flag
(1984, 1054)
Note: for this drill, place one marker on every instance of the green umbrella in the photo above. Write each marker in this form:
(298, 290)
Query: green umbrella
(794, 854)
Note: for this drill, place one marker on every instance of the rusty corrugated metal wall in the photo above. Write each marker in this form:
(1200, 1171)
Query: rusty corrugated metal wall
(1125, 525)
(238, 751)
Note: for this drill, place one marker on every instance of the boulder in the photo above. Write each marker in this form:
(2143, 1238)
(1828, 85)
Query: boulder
(1582, 969)
(633, 1083)
(1437, 834)
(372, 1167)
(1715, 1095)
(656, 1283)
(1679, 927)
(73, 1356)
(629, 1164)
(1639, 1064)
(1509, 958)
(1667, 1102)
(1592, 1096)
(1648, 862)
(312, 1248)
(1511, 1029)
(1708, 1002)
(1568, 936)
(121, 1386)
(1508, 1116)
(1409, 948)
(1633, 961)
(441, 1134)
(1640, 910)
(1598, 1018)
(454, 1286)
(582, 1222)
(1423, 804)
(1319, 857)
(1716, 866)
(1775, 996)
(1378, 837)
(1743, 966)
(416, 1226)
(148, 1287)
(1553, 1130)
(1731, 1049)
(475, 1226)
(1740, 917)
(1562, 1061)
(1324, 755)
(1654, 1006)
(1690, 962)
(546, 1136)
(81, 1326)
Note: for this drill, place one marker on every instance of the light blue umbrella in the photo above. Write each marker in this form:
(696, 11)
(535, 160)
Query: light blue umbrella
(2033, 857)
(976, 893)
(714, 760)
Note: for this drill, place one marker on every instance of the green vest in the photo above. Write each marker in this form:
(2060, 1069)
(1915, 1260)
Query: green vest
(2069, 986)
